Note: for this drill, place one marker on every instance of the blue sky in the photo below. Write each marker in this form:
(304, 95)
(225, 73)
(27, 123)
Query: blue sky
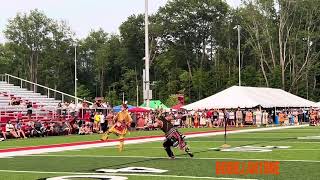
(82, 15)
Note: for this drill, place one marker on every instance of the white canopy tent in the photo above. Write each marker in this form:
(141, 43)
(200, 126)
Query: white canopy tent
(248, 97)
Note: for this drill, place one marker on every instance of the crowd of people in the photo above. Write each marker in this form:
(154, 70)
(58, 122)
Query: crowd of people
(83, 119)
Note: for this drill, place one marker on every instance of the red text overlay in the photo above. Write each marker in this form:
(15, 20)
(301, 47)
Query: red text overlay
(247, 168)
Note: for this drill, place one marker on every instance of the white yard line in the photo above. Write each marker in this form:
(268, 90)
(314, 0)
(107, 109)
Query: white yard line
(273, 143)
(178, 157)
(134, 141)
(122, 174)
(299, 149)
(201, 148)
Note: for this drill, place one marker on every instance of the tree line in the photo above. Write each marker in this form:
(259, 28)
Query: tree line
(193, 51)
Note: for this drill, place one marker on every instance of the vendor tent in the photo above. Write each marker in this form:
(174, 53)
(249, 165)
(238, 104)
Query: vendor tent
(155, 104)
(138, 110)
(249, 97)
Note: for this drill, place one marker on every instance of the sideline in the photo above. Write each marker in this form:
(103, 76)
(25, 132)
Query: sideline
(177, 157)
(122, 174)
(11, 152)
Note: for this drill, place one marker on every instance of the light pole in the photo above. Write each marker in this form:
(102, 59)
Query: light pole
(75, 74)
(147, 80)
(239, 27)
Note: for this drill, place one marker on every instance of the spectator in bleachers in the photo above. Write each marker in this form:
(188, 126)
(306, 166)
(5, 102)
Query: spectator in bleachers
(11, 130)
(50, 129)
(85, 129)
(19, 116)
(91, 117)
(96, 125)
(105, 104)
(66, 128)
(58, 128)
(79, 108)
(64, 109)
(59, 109)
(72, 108)
(14, 101)
(29, 110)
(103, 125)
(22, 103)
(85, 104)
(82, 130)
(87, 116)
(19, 129)
(55, 129)
(29, 128)
(77, 125)
(39, 129)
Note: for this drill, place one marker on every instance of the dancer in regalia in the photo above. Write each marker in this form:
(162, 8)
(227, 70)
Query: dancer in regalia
(120, 128)
(173, 137)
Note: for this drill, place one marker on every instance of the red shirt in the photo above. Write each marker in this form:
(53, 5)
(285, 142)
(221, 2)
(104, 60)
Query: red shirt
(87, 117)
(19, 115)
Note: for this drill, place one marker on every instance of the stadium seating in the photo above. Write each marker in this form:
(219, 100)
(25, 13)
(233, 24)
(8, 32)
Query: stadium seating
(42, 105)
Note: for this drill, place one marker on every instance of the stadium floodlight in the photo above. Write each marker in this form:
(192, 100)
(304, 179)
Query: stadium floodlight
(75, 72)
(239, 60)
(147, 80)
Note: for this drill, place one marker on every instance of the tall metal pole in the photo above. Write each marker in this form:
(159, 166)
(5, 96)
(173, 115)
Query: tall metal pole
(75, 74)
(238, 26)
(137, 95)
(147, 81)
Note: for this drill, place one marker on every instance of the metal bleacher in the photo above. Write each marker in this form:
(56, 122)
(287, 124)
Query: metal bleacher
(26, 95)
(42, 105)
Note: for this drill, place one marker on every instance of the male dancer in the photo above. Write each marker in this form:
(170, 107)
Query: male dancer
(173, 137)
(120, 128)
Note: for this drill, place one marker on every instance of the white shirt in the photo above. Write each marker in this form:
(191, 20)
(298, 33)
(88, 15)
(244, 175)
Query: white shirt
(231, 115)
(104, 105)
(258, 115)
(72, 107)
(79, 106)
(221, 115)
(9, 127)
(102, 118)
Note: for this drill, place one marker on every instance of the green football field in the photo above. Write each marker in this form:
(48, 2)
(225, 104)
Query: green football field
(300, 160)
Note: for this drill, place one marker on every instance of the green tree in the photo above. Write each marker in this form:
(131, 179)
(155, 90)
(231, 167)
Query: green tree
(172, 100)
(30, 32)
(92, 60)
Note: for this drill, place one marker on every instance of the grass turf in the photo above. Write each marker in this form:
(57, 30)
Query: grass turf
(300, 161)
(35, 141)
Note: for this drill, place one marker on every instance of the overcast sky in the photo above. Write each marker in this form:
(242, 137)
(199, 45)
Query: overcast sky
(82, 15)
